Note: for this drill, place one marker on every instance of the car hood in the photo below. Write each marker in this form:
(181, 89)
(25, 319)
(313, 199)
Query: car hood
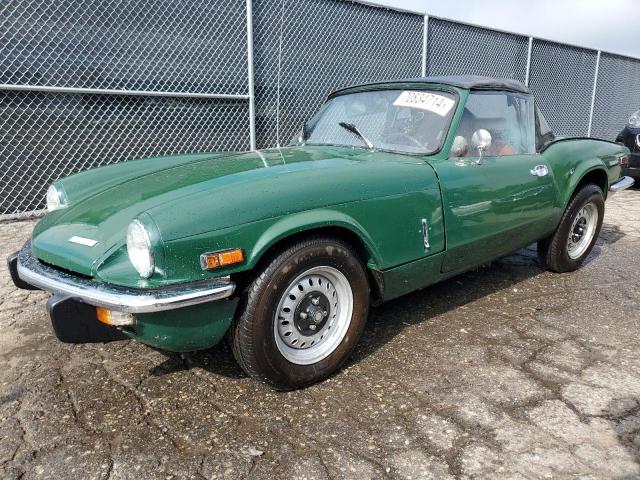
(192, 194)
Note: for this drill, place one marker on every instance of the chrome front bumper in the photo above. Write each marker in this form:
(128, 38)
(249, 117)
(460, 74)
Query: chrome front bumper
(114, 297)
(621, 184)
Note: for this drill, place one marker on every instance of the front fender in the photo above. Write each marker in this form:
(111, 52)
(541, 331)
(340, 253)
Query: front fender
(311, 220)
(180, 259)
(388, 227)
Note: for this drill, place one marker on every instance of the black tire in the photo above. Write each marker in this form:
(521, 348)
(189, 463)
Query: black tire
(253, 335)
(553, 251)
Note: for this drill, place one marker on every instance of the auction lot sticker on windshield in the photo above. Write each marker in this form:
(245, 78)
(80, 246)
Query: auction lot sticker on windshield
(426, 101)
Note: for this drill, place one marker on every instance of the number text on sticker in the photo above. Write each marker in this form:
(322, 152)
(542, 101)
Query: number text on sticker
(425, 101)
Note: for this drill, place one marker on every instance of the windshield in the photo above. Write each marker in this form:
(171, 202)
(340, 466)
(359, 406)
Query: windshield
(407, 121)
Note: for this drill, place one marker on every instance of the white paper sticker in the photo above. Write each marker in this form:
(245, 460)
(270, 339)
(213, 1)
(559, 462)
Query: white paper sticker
(432, 102)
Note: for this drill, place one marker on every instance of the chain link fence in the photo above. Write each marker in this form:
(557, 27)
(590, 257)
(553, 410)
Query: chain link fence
(192, 46)
(47, 136)
(455, 48)
(85, 83)
(617, 94)
(561, 78)
(306, 49)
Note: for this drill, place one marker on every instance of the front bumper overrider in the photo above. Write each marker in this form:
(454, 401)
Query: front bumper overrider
(26, 270)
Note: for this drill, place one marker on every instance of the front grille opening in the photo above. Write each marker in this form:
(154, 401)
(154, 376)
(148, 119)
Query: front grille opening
(64, 270)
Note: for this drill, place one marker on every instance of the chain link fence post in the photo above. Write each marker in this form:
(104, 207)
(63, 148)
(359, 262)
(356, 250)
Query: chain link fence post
(528, 70)
(250, 77)
(425, 37)
(593, 93)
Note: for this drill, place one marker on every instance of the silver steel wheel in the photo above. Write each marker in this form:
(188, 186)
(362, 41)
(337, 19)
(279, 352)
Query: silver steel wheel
(582, 230)
(313, 315)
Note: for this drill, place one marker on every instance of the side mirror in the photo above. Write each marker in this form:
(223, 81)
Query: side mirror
(459, 147)
(304, 134)
(481, 140)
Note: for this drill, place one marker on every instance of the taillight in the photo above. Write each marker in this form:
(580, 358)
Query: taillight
(623, 160)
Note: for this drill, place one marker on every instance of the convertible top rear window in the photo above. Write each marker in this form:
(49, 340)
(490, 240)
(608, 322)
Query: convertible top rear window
(404, 121)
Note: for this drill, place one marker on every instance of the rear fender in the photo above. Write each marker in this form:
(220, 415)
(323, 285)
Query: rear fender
(572, 159)
(581, 171)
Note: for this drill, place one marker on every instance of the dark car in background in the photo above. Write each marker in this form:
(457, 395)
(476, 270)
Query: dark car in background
(630, 137)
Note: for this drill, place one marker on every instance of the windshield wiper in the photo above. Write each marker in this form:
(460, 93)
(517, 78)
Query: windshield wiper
(353, 129)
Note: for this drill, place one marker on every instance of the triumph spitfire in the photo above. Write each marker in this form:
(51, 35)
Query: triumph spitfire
(390, 188)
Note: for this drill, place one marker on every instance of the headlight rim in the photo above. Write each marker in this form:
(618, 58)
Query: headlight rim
(60, 197)
(147, 272)
(634, 119)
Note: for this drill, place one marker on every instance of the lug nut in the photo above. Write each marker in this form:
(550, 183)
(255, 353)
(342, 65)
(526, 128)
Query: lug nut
(312, 327)
(315, 301)
(303, 315)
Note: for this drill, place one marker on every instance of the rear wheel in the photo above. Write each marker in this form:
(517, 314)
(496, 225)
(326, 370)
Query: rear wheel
(571, 243)
(302, 315)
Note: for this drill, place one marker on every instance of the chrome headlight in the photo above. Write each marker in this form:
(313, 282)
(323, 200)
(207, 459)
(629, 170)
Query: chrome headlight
(634, 119)
(139, 249)
(56, 199)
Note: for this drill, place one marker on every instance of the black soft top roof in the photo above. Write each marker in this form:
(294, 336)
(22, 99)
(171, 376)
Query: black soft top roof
(469, 82)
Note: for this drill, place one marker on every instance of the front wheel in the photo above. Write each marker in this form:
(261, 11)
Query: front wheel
(302, 315)
(571, 243)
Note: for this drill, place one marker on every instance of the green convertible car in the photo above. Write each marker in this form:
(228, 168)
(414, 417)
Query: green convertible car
(389, 188)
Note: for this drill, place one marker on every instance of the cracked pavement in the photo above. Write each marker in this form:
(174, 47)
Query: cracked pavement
(504, 372)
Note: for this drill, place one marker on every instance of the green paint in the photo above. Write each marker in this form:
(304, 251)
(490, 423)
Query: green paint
(186, 329)
(252, 200)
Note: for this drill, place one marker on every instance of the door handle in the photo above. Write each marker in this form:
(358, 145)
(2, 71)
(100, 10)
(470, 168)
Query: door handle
(425, 234)
(540, 171)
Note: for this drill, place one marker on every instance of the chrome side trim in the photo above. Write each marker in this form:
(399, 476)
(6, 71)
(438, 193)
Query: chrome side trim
(114, 297)
(621, 184)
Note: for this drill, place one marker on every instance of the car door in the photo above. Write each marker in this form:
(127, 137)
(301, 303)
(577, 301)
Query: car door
(499, 198)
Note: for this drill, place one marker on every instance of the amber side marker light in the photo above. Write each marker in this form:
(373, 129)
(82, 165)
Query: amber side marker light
(221, 258)
(115, 319)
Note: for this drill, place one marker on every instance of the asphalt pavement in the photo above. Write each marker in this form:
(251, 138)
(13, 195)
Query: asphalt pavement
(505, 372)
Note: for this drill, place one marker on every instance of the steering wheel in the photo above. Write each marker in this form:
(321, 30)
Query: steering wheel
(406, 136)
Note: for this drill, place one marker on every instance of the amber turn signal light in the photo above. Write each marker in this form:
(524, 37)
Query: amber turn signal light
(113, 318)
(221, 258)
